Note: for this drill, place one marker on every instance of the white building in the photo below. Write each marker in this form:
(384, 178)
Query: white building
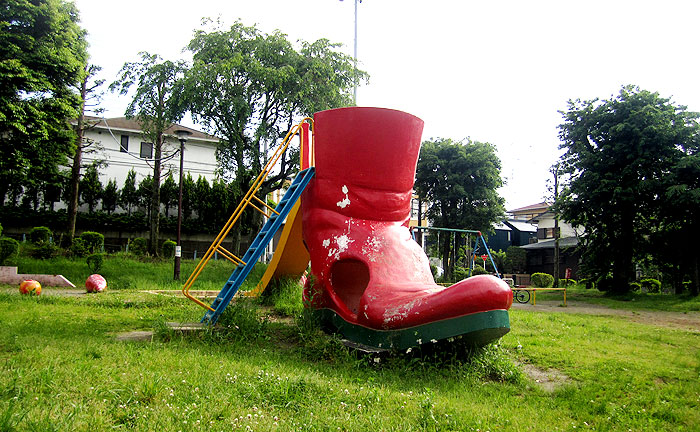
(120, 144)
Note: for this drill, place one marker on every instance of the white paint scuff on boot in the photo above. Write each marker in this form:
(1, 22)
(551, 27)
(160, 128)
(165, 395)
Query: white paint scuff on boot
(345, 201)
(342, 242)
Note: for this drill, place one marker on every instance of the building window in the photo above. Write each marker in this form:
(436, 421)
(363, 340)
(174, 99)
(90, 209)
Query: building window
(124, 145)
(146, 150)
(508, 235)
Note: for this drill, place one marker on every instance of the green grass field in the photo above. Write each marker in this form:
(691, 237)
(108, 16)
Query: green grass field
(62, 368)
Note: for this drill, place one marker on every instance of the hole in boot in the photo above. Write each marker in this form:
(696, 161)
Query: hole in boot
(349, 279)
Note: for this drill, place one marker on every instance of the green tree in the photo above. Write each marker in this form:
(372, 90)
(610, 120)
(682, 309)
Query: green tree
(144, 194)
(89, 99)
(202, 199)
(169, 193)
(678, 217)
(42, 51)
(91, 187)
(188, 196)
(249, 88)
(152, 105)
(110, 196)
(619, 153)
(128, 196)
(459, 180)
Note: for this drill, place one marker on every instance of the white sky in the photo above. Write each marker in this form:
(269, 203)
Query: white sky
(495, 71)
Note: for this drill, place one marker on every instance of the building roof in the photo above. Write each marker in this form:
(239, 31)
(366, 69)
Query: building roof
(126, 124)
(564, 242)
(538, 206)
(522, 226)
(501, 226)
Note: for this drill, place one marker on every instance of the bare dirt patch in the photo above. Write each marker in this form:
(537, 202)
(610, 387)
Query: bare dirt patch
(689, 321)
(548, 380)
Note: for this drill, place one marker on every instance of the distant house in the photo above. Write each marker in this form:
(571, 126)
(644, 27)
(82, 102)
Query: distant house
(529, 212)
(540, 255)
(120, 143)
(511, 233)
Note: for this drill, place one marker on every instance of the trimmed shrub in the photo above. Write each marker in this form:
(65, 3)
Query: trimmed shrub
(40, 234)
(78, 248)
(651, 285)
(168, 249)
(541, 280)
(460, 273)
(478, 270)
(94, 241)
(566, 283)
(8, 248)
(95, 262)
(138, 246)
(635, 286)
(44, 250)
(588, 283)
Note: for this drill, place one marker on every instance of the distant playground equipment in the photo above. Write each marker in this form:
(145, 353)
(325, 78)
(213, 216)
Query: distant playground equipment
(476, 252)
(370, 281)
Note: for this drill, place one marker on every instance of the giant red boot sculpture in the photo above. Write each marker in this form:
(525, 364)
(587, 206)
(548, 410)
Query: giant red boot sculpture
(370, 280)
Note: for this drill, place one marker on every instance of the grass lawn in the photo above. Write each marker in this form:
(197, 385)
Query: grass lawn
(62, 368)
(630, 301)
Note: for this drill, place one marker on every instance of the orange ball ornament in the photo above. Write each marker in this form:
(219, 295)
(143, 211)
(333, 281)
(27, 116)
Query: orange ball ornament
(30, 287)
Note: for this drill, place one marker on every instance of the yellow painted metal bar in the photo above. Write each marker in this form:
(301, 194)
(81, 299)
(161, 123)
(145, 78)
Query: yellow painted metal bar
(230, 256)
(266, 205)
(258, 209)
(216, 245)
(534, 293)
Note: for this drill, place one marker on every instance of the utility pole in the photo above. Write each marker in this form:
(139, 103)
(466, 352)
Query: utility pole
(354, 93)
(555, 170)
(182, 135)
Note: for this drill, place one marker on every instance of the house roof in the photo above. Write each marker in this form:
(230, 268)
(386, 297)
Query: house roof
(501, 226)
(538, 206)
(564, 242)
(522, 226)
(123, 123)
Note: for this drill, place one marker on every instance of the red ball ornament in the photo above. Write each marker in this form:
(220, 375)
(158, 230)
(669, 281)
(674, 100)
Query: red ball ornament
(30, 287)
(95, 283)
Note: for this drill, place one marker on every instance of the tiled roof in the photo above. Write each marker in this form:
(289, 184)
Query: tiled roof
(124, 123)
(542, 205)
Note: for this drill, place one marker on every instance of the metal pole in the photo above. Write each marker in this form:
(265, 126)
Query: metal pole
(556, 228)
(354, 94)
(178, 247)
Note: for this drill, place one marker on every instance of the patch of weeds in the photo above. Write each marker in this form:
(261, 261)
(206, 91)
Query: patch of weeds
(284, 296)
(314, 343)
(241, 321)
(455, 357)
(161, 330)
(10, 418)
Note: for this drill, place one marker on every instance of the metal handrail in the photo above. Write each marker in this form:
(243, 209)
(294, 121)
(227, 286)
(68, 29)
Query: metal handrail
(245, 202)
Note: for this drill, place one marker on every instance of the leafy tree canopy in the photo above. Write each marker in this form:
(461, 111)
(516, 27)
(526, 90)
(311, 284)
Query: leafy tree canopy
(249, 88)
(42, 54)
(619, 156)
(459, 180)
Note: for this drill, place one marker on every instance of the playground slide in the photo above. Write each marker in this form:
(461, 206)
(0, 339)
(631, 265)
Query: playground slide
(291, 257)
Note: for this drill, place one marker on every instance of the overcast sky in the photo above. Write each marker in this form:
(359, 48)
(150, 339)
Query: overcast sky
(494, 71)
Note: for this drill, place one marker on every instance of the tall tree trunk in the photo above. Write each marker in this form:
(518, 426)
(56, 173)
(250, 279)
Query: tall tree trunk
(155, 198)
(446, 262)
(622, 258)
(77, 161)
